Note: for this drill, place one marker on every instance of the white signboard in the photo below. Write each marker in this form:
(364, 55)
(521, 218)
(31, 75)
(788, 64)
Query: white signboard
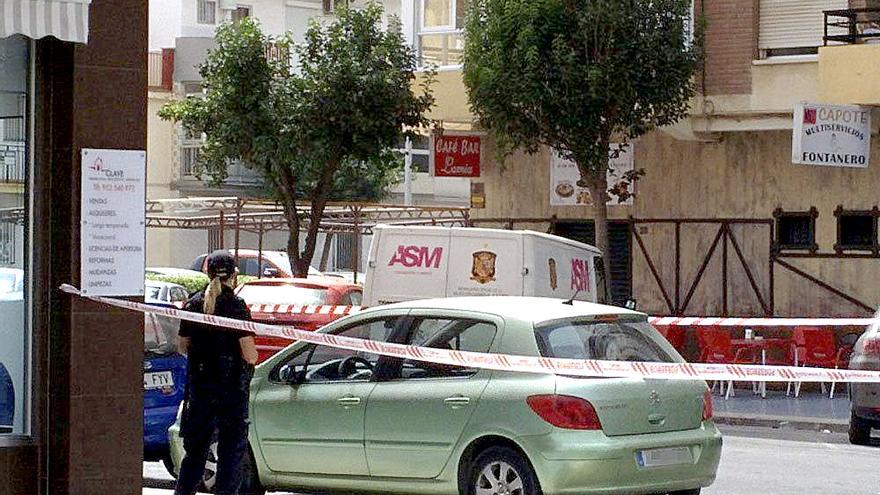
(113, 222)
(564, 175)
(831, 135)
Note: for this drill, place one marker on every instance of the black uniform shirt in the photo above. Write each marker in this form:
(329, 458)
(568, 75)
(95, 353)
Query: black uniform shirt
(211, 347)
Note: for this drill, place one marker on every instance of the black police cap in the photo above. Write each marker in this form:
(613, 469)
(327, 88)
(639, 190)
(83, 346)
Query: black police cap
(221, 264)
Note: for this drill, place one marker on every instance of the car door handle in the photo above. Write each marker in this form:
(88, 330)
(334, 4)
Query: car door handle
(656, 419)
(349, 401)
(457, 402)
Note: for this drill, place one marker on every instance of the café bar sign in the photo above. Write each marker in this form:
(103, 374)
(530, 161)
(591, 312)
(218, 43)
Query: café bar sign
(456, 156)
(831, 135)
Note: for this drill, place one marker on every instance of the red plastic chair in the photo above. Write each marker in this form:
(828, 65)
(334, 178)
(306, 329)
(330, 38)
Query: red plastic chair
(816, 348)
(716, 348)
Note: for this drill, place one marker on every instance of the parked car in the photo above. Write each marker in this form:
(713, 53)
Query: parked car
(165, 292)
(348, 276)
(7, 401)
(324, 291)
(164, 383)
(11, 284)
(865, 397)
(328, 419)
(275, 264)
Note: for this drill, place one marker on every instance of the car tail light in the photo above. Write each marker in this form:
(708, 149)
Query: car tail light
(708, 411)
(871, 347)
(564, 411)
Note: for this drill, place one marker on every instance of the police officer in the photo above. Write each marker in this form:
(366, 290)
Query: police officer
(221, 363)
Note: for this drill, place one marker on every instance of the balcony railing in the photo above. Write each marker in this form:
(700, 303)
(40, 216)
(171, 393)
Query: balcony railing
(160, 69)
(12, 158)
(852, 26)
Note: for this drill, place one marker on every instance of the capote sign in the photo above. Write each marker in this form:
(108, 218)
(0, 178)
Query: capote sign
(831, 135)
(457, 156)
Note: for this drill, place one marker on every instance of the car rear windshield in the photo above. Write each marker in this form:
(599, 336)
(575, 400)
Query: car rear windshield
(152, 292)
(608, 341)
(160, 334)
(283, 294)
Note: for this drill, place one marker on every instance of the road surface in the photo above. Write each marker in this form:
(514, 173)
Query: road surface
(755, 461)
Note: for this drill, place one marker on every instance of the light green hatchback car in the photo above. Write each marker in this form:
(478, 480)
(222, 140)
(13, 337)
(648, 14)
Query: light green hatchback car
(335, 420)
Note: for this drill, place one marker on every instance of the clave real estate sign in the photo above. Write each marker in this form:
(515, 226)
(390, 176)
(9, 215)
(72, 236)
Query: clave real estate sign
(831, 135)
(113, 222)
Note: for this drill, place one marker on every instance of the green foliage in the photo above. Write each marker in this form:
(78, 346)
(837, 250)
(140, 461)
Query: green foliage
(578, 75)
(575, 74)
(317, 124)
(192, 283)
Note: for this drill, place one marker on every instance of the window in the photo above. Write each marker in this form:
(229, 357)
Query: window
(160, 335)
(796, 230)
(207, 11)
(447, 333)
(15, 337)
(856, 230)
(421, 152)
(794, 27)
(441, 23)
(608, 341)
(330, 6)
(240, 13)
(323, 364)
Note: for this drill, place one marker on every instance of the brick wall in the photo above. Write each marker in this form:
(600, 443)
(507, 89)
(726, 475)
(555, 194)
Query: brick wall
(731, 44)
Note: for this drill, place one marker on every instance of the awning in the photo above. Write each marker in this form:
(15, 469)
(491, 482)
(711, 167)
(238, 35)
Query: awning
(67, 20)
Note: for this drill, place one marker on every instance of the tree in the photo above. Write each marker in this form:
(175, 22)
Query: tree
(577, 76)
(318, 125)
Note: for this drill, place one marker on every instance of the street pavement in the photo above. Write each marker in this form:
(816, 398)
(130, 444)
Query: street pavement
(754, 461)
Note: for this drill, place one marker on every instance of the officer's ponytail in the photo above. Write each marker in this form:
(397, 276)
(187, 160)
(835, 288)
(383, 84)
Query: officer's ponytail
(215, 287)
(211, 293)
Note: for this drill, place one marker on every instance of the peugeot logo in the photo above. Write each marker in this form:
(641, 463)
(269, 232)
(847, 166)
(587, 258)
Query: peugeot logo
(655, 397)
(147, 365)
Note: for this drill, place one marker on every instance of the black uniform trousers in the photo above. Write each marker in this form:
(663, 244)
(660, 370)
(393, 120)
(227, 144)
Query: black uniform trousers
(218, 401)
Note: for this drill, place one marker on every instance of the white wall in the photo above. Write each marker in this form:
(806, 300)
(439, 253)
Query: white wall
(165, 22)
(270, 13)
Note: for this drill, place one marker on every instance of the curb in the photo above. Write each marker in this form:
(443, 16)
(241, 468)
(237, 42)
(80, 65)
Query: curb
(780, 422)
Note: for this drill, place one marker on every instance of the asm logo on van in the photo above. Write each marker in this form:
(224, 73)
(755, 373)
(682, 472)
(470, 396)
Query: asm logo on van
(417, 257)
(580, 275)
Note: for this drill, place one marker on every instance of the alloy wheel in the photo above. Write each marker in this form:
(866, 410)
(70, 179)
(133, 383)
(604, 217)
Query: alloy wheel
(499, 478)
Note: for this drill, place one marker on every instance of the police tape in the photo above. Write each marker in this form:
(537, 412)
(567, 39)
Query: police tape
(305, 310)
(507, 362)
(703, 321)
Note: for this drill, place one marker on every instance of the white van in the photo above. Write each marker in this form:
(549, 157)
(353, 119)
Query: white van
(408, 263)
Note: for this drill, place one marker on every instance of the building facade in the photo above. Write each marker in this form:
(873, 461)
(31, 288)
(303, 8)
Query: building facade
(724, 223)
(70, 387)
(181, 32)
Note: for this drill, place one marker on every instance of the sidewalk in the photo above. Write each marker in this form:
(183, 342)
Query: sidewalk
(812, 410)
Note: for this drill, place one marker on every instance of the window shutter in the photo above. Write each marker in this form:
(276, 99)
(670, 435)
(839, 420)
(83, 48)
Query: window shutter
(794, 23)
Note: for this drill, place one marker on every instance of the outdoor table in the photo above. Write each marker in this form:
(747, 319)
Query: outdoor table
(762, 344)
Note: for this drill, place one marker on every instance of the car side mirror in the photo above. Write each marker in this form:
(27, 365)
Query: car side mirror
(270, 273)
(630, 304)
(288, 374)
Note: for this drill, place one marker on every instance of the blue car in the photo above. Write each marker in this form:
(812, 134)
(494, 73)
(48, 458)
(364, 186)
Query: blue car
(7, 401)
(164, 383)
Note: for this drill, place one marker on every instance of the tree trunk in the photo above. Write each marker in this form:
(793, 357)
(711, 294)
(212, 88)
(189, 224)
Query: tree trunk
(319, 202)
(599, 193)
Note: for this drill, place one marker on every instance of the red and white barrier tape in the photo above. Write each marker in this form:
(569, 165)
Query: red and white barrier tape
(526, 364)
(701, 321)
(289, 309)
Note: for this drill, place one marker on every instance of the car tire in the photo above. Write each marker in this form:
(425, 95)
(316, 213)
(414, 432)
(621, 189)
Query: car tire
(695, 491)
(859, 431)
(501, 470)
(209, 477)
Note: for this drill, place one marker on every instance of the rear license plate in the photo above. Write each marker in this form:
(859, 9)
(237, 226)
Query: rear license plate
(158, 379)
(664, 457)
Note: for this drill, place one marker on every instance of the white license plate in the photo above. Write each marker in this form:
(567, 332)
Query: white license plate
(664, 457)
(158, 379)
